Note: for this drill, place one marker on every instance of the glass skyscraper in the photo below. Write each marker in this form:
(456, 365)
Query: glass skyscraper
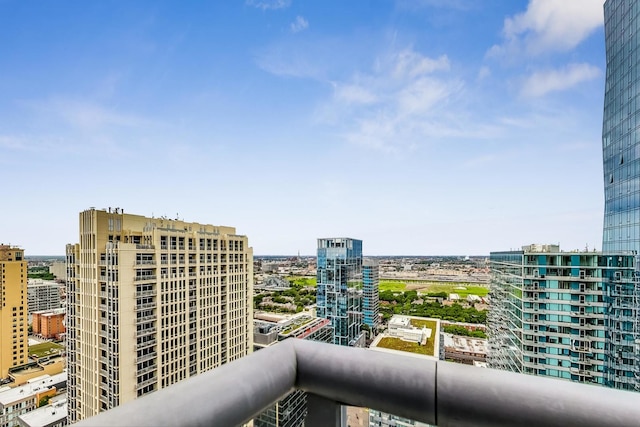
(576, 315)
(339, 293)
(621, 167)
(621, 127)
(370, 294)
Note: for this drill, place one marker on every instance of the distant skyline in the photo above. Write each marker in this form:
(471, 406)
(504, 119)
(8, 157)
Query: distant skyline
(422, 127)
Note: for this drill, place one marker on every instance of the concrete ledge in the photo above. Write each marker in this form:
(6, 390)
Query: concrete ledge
(434, 392)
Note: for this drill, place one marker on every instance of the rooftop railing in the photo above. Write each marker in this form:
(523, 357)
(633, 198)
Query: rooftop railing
(434, 392)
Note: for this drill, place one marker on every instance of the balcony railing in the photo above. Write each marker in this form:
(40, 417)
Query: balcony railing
(434, 392)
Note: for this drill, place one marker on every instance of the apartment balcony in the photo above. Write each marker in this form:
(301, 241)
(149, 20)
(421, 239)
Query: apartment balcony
(146, 331)
(581, 372)
(150, 343)
(585, 326)
(146, 293)
(434, 392)
(146, 318)
(145, 247)
(145, 357)
(145, 383)
(146, 306)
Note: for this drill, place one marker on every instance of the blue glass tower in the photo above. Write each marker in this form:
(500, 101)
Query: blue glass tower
(576, 315)
(370, 293)
(339, 277)
(621, 167)
(621, 128)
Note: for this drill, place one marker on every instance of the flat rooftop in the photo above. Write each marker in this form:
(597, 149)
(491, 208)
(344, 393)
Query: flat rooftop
(430, 348)
(35, 386)
(47, 415)
(465, 344)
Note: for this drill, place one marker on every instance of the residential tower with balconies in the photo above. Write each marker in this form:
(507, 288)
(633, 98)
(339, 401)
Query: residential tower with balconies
(563, 315)
(151, 302)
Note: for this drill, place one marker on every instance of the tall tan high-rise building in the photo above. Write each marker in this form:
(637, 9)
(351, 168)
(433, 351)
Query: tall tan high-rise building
(13, 309)
(152, 301)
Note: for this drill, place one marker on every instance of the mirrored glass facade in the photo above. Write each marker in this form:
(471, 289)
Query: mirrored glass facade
(339, 291)
(371, 294)
(621, 167)
(621, 127)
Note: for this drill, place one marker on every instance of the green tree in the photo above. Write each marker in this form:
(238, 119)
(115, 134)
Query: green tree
(410, 296)
(44, 401)
(387, 296)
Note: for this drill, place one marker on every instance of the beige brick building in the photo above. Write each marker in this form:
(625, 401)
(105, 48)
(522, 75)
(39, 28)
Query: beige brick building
(13, 309)
(152, 301)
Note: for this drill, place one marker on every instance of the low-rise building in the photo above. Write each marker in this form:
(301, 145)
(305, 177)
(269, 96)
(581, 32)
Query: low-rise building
(405, 328)
(49, 323)
(50, 365)
(411, 336)
(20, 400)
(464, 349)
(52, 415)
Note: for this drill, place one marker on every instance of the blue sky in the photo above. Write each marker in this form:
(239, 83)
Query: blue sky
(419, 126)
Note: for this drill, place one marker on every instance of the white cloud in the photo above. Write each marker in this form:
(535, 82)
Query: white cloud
(297, 57)
(84, 114)
(354, 94)
(422, 95)
(543, 82)
(484, 72)
(400, 104)
(10, 142)
(78, 127)
(269, 4)
(285, 64)
(549, 25)
(300, 24)
(57, 143)
(411, 64)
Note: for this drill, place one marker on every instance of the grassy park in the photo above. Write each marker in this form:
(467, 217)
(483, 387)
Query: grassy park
(392, 285)
(422, 286)
(426, 287)
(45, 349)
(302, 280)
